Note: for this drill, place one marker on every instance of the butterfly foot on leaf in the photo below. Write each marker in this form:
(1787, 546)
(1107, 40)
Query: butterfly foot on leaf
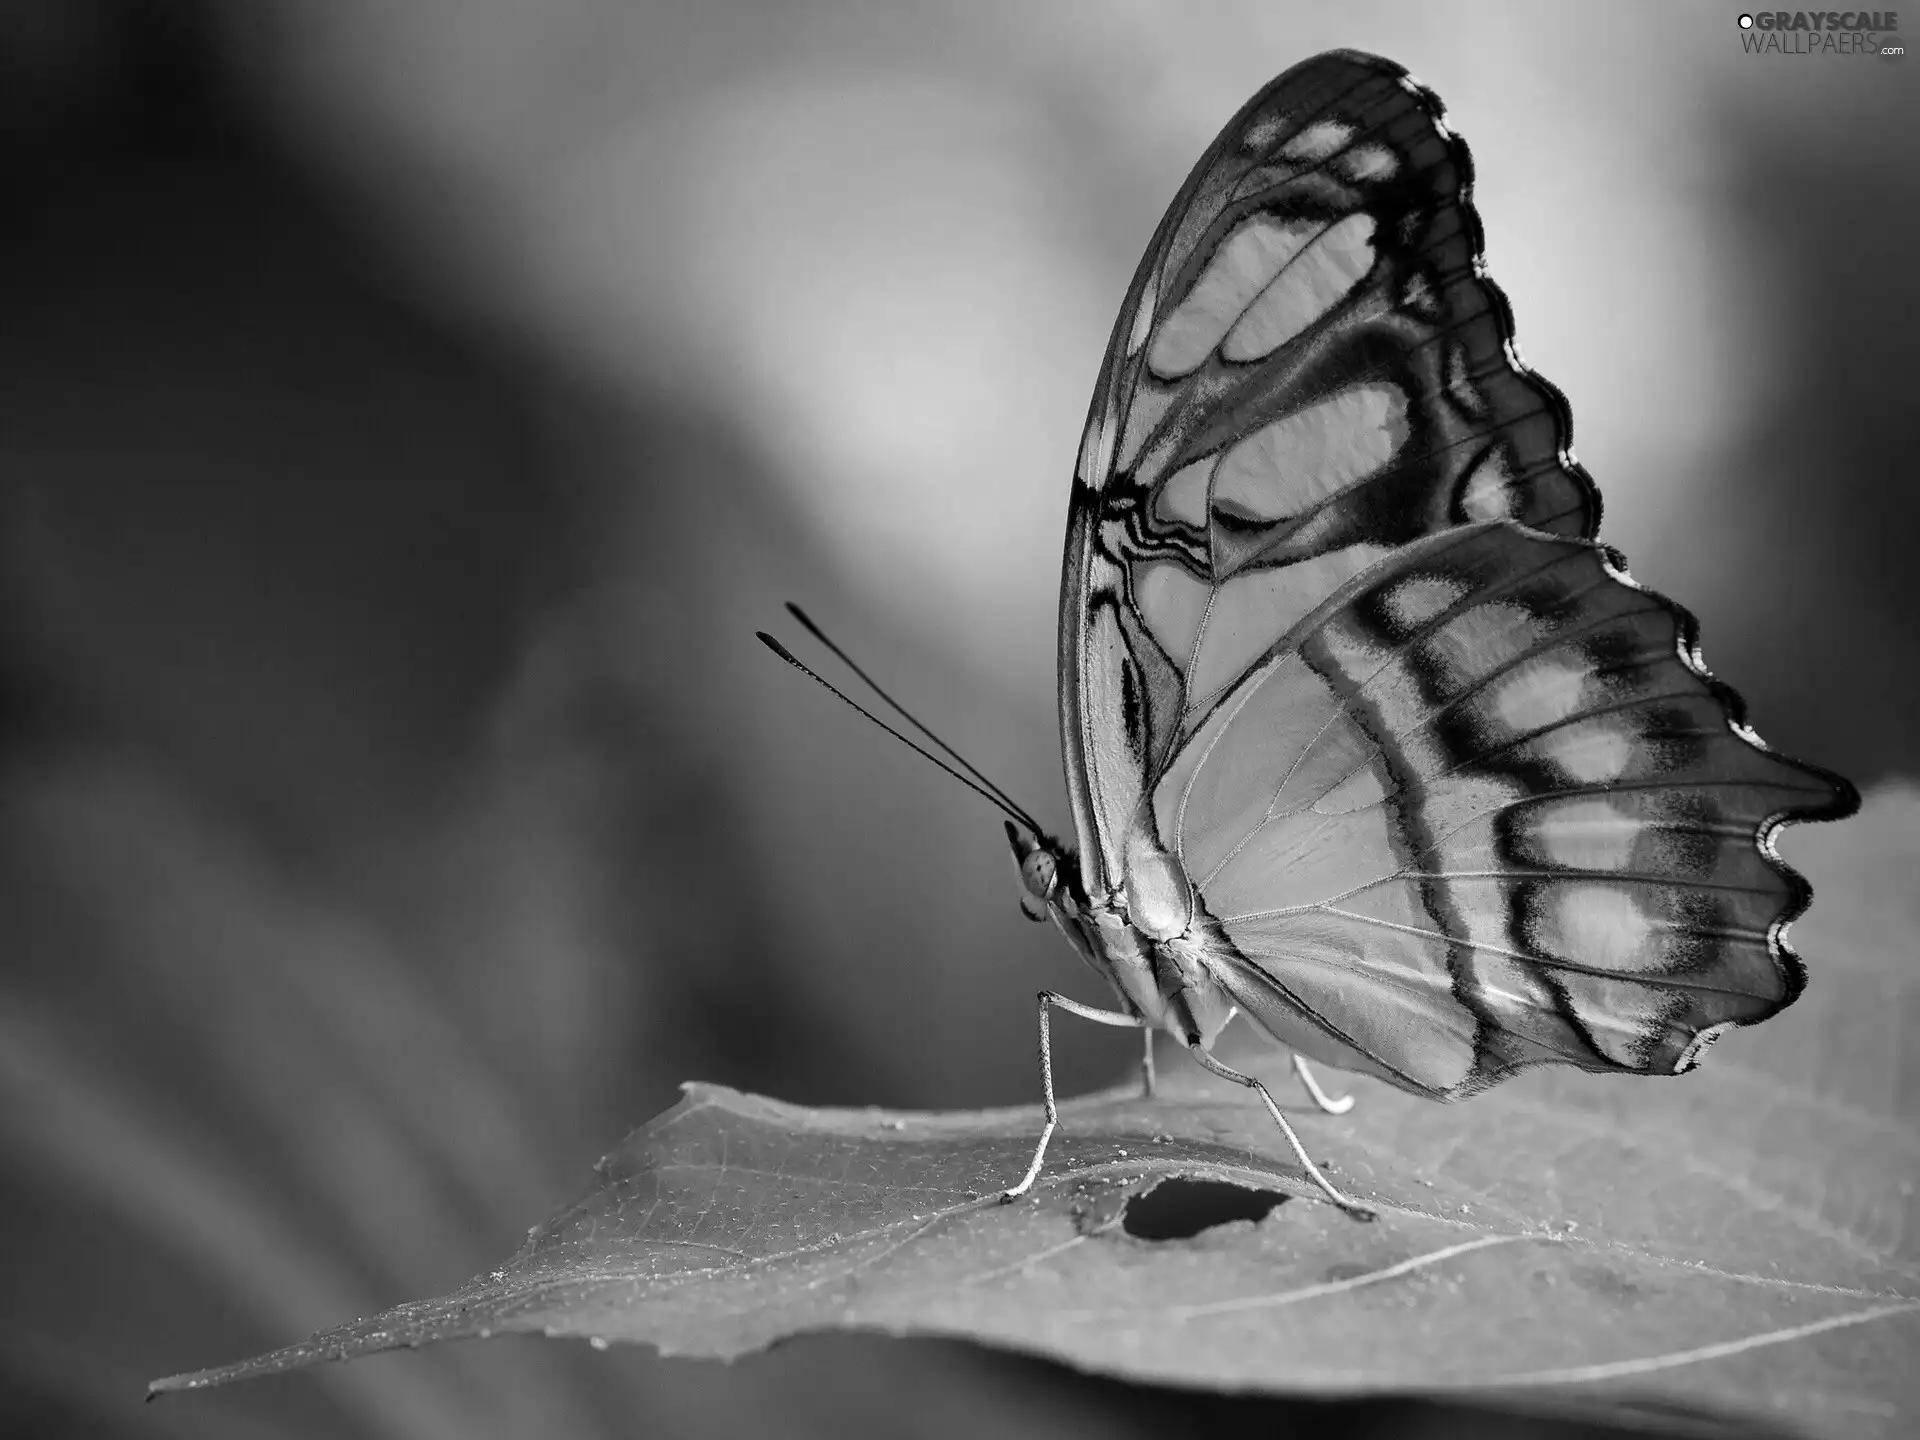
(1007, 1197)
(1326, 1102)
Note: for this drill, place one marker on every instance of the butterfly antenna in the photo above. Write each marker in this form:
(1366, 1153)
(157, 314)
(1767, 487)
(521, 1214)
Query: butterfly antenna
(1006, 801)
(975, 782)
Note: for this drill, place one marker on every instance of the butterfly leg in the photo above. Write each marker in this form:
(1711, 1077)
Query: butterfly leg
(1207, 1062)
(1146, 1063)
(1320, 1097)
(1086, 1012)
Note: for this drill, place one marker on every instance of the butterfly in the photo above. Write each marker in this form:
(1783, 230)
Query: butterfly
(1366, 737)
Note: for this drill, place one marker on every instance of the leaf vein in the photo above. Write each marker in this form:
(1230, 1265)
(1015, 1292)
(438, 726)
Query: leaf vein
(1645, 1364)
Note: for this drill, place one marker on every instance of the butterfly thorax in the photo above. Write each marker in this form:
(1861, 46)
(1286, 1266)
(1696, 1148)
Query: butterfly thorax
(1150, 947)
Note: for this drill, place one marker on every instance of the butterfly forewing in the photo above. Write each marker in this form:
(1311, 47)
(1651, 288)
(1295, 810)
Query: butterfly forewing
(1310, 368)
(1452, 794)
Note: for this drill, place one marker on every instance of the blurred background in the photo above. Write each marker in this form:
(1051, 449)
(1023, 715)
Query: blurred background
(409, 411)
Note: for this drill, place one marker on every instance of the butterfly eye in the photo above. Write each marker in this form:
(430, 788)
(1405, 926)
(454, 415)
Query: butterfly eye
(1041, 872)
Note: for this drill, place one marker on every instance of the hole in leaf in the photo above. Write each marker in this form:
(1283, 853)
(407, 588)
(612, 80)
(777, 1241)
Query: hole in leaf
(1179, 1208)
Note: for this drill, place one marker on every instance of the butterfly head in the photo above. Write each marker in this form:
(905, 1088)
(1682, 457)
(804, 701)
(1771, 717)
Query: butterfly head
(1038, 860)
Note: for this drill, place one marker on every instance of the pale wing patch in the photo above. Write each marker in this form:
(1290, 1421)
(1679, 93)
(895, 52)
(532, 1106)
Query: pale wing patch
(1490, 493)
(1368, 162)
(1263, 132)
(1593, 753)
(1419, 598)
(1173, 603)
(1183, 498)
(1319, 141)
(1286, 468)
(1252, 611)
(1598, 925)
(1483, 640)
(1239, 270)
(1540, 693)
(1309, 287)
(1585, 833)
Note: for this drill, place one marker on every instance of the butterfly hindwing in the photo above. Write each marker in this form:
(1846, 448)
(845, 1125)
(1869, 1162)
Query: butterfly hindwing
(1453, 795)
(1481, 811)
